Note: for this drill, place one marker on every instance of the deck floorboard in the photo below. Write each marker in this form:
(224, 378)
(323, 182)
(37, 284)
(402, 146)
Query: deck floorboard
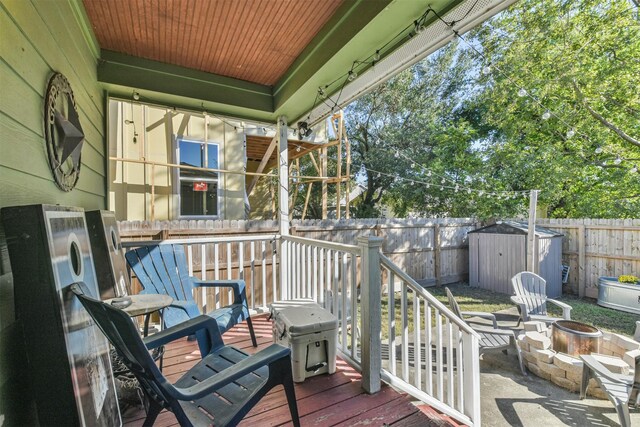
(323, 400)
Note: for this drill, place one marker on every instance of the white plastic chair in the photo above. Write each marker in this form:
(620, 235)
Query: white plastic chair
(531, 298)
(618, 388)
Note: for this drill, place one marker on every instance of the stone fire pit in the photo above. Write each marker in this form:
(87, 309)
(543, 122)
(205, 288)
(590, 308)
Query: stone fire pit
(566, 371)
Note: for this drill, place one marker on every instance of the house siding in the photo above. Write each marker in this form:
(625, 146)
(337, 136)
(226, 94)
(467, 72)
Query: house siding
(157, 129)
(40, 37)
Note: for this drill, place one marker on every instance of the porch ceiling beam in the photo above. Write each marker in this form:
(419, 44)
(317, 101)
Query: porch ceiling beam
(124, 70)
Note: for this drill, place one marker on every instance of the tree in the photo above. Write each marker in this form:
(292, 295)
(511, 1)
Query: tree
(562, 89)
(544, 95)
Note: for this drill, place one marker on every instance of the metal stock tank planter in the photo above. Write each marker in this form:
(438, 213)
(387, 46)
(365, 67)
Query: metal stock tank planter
(619, 296)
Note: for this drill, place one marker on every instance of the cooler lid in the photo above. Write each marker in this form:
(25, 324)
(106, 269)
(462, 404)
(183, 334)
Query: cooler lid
(278, 306)
(305, 320)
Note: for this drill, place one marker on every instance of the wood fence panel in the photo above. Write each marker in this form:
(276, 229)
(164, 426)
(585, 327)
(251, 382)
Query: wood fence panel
(595, 248)
(592, 248)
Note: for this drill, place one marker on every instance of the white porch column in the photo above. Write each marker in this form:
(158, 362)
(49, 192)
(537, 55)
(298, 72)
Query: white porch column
(283, 187)
(283, 204)
(371, 315)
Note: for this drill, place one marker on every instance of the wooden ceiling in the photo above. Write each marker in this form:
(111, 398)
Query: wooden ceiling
(251, 40)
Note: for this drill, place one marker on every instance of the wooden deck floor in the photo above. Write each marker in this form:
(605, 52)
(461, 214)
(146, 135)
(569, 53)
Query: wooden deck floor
(323, 400)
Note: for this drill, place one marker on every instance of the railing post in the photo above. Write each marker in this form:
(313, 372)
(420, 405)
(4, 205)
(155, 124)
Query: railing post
(471, 377)
(371, 313)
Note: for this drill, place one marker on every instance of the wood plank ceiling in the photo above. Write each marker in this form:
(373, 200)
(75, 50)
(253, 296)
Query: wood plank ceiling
(252, 40)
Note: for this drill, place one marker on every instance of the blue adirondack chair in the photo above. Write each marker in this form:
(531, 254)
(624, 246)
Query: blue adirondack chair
(162, 269)
(220, 389)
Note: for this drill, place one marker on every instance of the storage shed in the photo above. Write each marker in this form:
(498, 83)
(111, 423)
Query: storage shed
(498, 251)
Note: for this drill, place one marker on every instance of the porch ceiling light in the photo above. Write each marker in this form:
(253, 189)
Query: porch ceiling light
(303, 130)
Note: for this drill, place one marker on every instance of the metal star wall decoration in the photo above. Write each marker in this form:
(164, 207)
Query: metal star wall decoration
(63, 132)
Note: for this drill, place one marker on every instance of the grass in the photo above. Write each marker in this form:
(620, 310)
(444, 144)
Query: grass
(584, 309)
(469, 299)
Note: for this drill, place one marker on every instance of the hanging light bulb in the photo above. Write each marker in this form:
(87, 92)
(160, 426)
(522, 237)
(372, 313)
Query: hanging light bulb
(428, 173)
(298, 149)
(442, 181)
(413, 165)
(418, 27)
(468, 191)
(396, 154)
(428, 185)
(522, 93)
(598, 150)
(481, 193)
(412, 183)
(321, 93)
(376, 56)
(441, 188)
(546, 115)
(617, 161)
(352, 76)
(571, 133)
(457, 188)
(486, 70)
(633, 169)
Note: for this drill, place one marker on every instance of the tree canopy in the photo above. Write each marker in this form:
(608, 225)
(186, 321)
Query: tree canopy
(542, 96)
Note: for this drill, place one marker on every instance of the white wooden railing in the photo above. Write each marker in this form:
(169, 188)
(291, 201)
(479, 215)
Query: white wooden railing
(249, 257)
(404, 335)
(428, 351)
(327, 273)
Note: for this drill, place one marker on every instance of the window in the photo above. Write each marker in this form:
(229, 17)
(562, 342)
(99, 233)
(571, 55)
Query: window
(198, 188)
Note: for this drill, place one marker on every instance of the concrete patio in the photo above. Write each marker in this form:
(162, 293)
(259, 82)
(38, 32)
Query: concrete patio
(510, 399)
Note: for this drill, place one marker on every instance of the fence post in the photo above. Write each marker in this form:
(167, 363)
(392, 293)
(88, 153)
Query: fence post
(437, 254)
(471, 377)
(582, 259)
(371, 312)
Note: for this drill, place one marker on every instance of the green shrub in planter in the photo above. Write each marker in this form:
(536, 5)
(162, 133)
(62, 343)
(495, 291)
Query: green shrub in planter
(627, 278)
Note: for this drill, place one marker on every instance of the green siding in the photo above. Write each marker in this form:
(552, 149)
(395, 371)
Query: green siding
(37, 38)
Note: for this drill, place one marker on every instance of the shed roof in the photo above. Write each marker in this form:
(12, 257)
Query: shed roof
(516, 227)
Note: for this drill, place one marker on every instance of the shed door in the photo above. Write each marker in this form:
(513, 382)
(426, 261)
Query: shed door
(550, 265)
(500, 257)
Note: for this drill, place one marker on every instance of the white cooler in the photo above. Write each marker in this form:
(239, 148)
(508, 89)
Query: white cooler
(277, 306)
(311, 333)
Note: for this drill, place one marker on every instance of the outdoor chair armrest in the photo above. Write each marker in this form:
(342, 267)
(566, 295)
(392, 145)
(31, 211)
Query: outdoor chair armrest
(505, 332)
(566, 308)
(204, 327)
(489, 316)
(602, 370)
(264, 357)
(238, 287)
(522, 307)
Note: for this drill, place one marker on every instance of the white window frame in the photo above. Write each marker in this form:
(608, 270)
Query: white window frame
(178, 180)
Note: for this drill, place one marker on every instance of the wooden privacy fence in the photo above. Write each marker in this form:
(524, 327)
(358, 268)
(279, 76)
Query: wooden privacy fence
(431, 251)
(597, 247)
